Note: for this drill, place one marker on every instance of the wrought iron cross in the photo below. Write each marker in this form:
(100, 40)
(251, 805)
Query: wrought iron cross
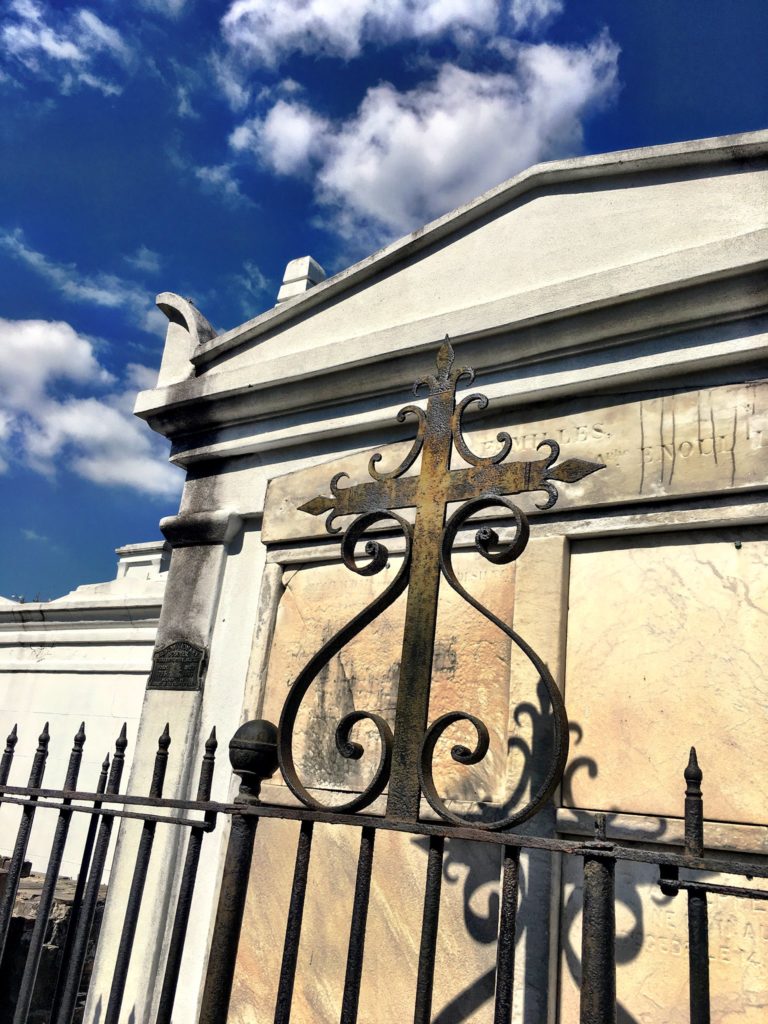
(437, 485)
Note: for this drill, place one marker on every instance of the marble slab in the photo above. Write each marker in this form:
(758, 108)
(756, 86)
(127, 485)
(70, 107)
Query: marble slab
(466, 946)
(654, 446)
(667, 638)
(652, 950)
(472, 666)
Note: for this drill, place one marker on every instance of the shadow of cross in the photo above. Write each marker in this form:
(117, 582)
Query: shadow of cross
(429, 492)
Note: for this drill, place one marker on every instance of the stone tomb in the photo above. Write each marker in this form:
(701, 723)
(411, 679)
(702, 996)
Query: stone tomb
(665, 634)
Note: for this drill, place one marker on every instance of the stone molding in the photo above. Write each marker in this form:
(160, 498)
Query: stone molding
(191, 529)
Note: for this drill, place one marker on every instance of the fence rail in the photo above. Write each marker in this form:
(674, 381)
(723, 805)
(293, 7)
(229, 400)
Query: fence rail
(253, 757)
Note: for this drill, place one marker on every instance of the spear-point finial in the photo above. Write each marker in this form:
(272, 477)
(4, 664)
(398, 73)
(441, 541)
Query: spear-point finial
(165, 740)
(80, 737)
(694, 808)
(44, 738)
(12, 739)
(105, 763)
(211, 743)
(693, 774)
(122, 740)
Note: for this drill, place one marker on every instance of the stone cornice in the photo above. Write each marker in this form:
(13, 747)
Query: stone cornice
(560, 329)
(697, 153)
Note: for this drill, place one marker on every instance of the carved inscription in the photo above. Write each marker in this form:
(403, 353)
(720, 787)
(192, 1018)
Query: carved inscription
(654, 447)
(177, 666)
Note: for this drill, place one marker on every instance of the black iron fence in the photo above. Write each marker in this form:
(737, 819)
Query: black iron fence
(404, 766)
(253, 754)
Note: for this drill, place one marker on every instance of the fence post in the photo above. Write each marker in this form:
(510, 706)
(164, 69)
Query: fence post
(598, 935)
(253, 756)
(698, 913)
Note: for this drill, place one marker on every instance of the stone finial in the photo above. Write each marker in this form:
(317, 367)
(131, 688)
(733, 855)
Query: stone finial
(187, 328)
(300, 275)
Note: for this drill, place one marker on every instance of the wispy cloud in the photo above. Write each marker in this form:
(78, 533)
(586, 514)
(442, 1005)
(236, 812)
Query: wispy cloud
(62, 46)
(59, 407)
(144, 259)
(220, 180)
(254, 288)
(34, 536)
(533, 15)
(406, 157)
(100, 289)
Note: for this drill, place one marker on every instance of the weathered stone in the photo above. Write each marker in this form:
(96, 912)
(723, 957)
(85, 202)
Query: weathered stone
(654, 447)
(667, 637)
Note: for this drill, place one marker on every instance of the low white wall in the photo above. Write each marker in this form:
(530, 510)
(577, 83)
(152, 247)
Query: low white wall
(83, 657)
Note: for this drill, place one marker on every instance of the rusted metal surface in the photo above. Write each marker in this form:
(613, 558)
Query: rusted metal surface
(483, 485)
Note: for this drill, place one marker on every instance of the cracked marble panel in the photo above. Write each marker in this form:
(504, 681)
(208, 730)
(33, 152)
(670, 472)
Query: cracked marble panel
(667, 643)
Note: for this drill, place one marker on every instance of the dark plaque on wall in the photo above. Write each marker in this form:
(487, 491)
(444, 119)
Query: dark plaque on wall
(177, 666)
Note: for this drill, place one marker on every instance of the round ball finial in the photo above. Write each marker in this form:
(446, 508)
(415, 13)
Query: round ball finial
(253, 754)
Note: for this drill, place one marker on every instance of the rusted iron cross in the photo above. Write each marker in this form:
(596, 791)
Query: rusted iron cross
(439, 429)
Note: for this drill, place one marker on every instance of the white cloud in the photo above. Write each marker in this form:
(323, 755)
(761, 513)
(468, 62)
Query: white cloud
(285, 139)
(532, 15)
(47, 421)
(102, 85)
(101, 289)
(267, 30)
(62, 46)
(407, 157)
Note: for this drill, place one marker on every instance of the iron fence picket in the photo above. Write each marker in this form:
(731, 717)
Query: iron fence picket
(71, 982)
(136, 892)
(45, 903)
(293, 927)
(422, 1013)
(356, 950)
(7, 759)
(186, 890)
(77, 901)
(505, 943)
(22, 840)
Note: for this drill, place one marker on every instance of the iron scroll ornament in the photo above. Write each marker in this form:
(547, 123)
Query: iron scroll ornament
(405, 756)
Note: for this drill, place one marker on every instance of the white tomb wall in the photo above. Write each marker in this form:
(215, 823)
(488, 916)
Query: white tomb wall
(595, 281)
(84, 657)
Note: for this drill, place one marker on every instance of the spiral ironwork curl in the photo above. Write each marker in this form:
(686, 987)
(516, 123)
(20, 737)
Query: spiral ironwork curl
(413, 454)
(485, 539)
(461, 445)
(376, 554)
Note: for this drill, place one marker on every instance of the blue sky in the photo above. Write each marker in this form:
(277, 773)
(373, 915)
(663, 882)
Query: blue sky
(196, 146)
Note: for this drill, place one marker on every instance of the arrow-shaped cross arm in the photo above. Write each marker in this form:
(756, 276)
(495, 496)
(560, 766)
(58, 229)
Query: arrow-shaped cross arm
(375, 496)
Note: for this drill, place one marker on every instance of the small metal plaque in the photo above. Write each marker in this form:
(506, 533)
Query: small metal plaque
(177, 666)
